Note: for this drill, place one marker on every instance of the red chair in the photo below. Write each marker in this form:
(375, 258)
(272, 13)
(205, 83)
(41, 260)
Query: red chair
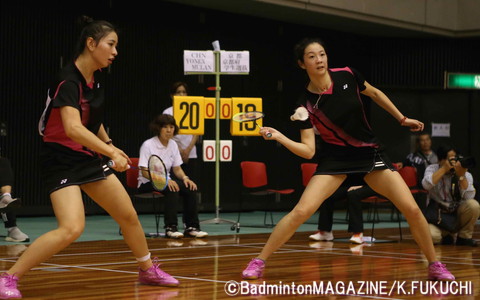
(255, 183)
(308, 169)
(132, 183)
(409, 174)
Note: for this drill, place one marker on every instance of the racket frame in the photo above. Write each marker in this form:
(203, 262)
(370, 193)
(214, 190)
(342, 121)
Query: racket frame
(154, 156)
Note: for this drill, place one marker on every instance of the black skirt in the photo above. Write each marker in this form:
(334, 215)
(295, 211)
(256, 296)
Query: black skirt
(64, 167)
(334, 160)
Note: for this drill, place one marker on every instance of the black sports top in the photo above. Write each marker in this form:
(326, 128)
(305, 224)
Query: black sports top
(340, 118)
(72, 90)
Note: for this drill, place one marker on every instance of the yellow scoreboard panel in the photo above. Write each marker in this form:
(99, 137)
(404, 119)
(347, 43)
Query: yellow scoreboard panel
(225, 108)
(189, 113)
(239, 105)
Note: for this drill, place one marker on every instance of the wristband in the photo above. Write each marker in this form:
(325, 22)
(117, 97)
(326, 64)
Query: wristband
(109, 142)
(403, 120)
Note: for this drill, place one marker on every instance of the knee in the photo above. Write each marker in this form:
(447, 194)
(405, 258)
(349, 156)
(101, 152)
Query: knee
(470, 206)
(473, 204)
(72, 232)
(300, 215)
(129, 219)
(171, 198)
(413, 212)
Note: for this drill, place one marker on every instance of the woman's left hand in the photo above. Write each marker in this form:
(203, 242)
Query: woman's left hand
(190, 184)
(414, 125)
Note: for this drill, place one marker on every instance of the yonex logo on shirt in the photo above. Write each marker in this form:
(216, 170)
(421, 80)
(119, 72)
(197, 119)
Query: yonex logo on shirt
(345, 86)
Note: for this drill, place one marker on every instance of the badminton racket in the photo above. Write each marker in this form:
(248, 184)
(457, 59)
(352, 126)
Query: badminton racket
(250, 116)
(156, 171)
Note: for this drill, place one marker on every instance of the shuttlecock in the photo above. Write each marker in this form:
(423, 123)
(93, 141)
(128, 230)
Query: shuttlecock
(301, 114)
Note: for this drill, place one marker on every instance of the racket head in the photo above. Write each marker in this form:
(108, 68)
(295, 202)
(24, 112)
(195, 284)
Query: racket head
(158, 173)
(248, 116)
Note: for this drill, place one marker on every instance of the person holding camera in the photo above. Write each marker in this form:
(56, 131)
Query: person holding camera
(452, 209)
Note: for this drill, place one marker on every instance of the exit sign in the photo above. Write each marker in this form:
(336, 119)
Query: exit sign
(462, 81)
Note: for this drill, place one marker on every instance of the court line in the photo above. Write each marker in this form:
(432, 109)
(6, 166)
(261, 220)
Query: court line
(200, 279)
(283, 249)
(389, 257)
(369, 250)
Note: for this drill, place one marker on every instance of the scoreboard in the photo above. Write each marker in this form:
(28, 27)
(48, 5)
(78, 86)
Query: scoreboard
(190, 113)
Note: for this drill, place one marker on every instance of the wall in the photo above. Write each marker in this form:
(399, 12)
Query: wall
(37, 38)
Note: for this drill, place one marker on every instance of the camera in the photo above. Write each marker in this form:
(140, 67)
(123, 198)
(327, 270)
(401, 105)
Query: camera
(467, 162)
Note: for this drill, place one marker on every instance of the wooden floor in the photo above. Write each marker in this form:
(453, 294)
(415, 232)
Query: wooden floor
(106, 269)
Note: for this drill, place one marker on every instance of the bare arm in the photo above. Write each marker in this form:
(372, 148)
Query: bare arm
(384, 102)
(305, 148)
(192, 143)
(75, 130)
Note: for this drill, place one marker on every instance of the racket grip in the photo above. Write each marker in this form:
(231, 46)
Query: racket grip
(111, 164)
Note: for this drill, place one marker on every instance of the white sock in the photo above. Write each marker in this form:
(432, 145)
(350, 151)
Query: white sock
(145, 258)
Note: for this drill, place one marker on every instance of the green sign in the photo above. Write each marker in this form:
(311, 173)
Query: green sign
(462, 81)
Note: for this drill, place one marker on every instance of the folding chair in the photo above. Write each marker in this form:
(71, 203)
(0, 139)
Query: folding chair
(255, 183)
(409, 175)
(132, 183)
(373, 215)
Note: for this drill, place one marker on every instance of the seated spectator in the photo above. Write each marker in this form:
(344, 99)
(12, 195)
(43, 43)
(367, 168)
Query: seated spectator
(423, 155)
(7, 203)
(162, 144)
(420, 160)
(451, 185)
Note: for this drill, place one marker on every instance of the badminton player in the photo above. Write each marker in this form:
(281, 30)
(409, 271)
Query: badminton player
(74, 137)
(334, 108)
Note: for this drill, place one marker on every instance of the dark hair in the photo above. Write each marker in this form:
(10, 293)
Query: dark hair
(299, 49)
(161, 121)
(443, 150)
(176, 85)
(96, 29)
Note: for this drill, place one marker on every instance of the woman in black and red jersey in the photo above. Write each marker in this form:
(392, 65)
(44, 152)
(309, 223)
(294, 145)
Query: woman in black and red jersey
(331, 106)
(74, 141)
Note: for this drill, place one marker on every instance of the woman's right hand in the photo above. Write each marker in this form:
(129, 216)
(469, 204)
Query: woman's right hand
(121, 160)
(269, 133)
(173, 186)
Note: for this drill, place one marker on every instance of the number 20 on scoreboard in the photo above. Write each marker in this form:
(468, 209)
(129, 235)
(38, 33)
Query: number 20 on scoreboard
(189, 113)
